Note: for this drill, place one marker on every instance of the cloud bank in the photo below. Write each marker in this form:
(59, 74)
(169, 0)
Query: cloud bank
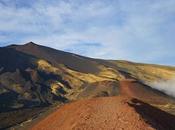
(168, 87)
(139, 30)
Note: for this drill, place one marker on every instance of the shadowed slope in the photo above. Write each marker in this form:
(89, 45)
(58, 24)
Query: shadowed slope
(56, 57)
(10, 60)
(155, 117)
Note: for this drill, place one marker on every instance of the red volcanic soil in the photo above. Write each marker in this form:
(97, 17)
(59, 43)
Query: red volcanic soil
(109, 113)
(134, 89)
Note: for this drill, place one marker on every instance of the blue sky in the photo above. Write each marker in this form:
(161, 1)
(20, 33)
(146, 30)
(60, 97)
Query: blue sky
(136, 30)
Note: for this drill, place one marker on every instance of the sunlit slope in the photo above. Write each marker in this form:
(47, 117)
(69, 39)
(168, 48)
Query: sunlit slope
(77, 82)
(145, 73)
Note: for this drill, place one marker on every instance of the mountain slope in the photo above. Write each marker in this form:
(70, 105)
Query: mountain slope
(56, 57)
(36, 76)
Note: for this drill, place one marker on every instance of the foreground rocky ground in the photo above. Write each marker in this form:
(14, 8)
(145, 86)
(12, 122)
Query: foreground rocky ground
(102, 113)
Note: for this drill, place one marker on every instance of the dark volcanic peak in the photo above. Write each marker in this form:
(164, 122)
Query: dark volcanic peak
(30, 44)
(57, 57)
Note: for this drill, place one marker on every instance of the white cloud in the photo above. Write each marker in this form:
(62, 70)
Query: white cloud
(168, 87)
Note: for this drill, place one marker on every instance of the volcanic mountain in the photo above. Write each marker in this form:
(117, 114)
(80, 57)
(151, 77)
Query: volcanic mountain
(34, 78)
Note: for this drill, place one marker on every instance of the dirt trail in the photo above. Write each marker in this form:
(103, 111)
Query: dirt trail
(111, 113)
(126, 88)
(134, 89)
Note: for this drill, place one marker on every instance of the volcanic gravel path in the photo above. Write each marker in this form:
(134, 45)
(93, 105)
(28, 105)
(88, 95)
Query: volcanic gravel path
(134, 89)
(111, 113)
